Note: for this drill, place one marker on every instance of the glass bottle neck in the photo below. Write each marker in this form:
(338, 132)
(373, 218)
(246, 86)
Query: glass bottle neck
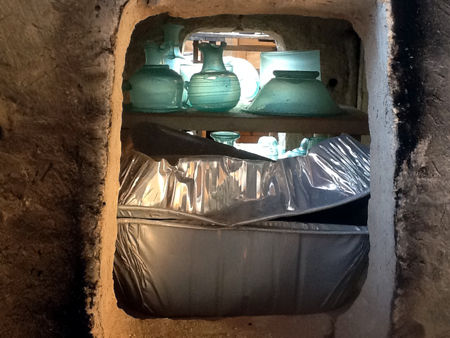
(174, 52)
(172, 34)
(172, 40)
(212, 57)
(154, 55)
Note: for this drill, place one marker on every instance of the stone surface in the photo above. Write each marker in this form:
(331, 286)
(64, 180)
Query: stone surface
(421, 96)
(55, 87)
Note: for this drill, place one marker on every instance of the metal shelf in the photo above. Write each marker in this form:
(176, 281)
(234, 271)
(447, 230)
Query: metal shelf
(353, 122)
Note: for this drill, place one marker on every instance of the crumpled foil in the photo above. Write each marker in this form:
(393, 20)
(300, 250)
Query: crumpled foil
(187, 269)
(228, 191)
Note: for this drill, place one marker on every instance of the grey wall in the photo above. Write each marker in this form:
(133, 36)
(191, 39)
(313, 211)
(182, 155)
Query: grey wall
(421, 79)
(56, 62)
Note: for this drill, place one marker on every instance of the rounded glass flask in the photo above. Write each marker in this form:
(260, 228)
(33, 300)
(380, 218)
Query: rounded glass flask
(213, 89)
(155, 87)
(295, 93)
(247, 74)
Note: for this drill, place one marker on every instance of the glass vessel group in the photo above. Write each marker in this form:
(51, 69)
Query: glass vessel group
(290, 82)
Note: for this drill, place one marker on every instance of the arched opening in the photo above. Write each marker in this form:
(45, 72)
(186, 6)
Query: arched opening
(108, 317)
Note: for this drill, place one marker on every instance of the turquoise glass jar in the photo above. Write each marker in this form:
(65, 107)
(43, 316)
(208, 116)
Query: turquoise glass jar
(173, 58)
(296, 93)
(214, 89)
(225, 137)
(155, 87)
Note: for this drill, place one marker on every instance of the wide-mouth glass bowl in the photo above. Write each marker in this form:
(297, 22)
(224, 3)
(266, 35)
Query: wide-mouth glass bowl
(294, 93)
(225, 137)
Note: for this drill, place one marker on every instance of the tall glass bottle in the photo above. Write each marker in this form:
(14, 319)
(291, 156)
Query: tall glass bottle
(155, 87)
(214, 89)
(174, 58)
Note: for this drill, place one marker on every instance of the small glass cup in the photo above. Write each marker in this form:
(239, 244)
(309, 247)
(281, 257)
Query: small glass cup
(225, 137)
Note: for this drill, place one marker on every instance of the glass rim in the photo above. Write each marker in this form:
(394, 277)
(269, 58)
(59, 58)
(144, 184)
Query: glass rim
(283, 52)
(296, 74)
(229, 134)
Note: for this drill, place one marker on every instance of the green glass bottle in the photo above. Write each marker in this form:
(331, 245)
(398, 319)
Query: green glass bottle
(214, 89)
(155, 87)
(173, 58)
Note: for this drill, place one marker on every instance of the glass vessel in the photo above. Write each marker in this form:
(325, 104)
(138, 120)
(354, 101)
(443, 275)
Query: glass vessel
(187, 69)
(214, 89)
(305, 146)
(295, 93)
(288, 60)
(247, 74)
(155, 87)
(302, 150)
(317, 138)
(225, 137)
(174, 57)
(269, 147)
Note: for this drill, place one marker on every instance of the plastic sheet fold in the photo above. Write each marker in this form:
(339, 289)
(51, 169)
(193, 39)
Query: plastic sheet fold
(189, 269)
(229, 191)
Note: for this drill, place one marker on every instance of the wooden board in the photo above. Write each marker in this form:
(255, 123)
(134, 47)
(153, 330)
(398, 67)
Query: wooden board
(353, 122)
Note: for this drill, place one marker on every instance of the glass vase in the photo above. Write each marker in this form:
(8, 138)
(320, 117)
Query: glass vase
(214, 89)
(155, 87)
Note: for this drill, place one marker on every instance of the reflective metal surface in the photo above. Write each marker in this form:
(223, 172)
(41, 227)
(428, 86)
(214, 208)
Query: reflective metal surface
(229, 191)
(185, 269)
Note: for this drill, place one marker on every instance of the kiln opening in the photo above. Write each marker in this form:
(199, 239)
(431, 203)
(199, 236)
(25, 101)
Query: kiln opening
(154, 139)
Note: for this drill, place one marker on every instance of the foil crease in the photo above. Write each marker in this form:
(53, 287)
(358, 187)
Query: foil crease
(229, 191)
(189, 269)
